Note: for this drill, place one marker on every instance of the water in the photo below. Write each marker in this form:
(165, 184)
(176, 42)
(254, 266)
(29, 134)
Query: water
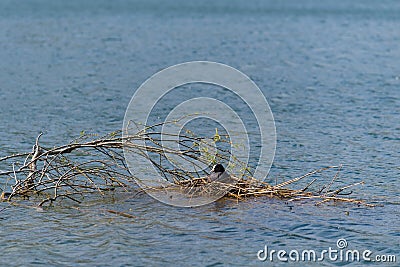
(330, 71)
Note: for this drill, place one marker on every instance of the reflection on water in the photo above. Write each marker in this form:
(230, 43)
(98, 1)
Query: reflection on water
(329, 71)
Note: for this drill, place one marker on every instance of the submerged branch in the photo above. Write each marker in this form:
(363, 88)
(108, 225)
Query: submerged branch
(92, 164)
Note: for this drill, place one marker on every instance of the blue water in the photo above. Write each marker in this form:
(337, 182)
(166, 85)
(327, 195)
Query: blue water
(329, 69)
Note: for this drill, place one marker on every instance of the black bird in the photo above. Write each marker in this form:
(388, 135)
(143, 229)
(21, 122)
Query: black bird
(218, 173)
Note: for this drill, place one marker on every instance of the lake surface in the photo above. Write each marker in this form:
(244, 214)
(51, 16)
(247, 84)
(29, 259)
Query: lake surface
(329, 69)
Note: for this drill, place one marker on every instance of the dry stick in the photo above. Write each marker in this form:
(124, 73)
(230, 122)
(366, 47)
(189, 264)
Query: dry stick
(120, 213)
(333, 179)
(343, 188)
(360, 202)
(307, 186)
(32, 166)
(14, 156)
(15, 175)
(302, 177)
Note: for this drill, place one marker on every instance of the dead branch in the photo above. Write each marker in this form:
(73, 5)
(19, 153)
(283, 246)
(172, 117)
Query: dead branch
(92, 164)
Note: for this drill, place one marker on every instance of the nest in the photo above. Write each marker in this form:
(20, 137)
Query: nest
(96, 164)
(251, 187)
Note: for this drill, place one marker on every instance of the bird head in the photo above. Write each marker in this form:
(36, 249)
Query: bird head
(218, 168)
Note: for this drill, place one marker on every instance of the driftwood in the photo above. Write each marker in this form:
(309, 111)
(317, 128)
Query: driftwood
(96, 164)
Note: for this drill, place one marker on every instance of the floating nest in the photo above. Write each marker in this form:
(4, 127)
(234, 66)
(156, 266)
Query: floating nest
(96, 164)
(251, 187)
